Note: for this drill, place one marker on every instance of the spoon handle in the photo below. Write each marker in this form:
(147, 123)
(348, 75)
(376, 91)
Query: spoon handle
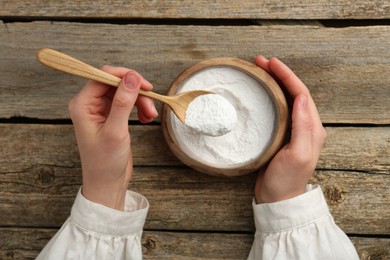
(66, 63)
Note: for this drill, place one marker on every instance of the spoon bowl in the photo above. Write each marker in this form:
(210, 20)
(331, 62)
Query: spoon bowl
(63, 62)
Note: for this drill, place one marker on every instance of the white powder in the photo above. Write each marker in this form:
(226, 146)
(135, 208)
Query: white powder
(211, 114)
(254, 127)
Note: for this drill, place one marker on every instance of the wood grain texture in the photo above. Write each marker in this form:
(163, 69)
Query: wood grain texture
(272, 9)
(372, 248)
(182, 199)
(349, 148)
(44, 171)
(346, 69)
(55, 145)
(346, 148)
(197, 216)
(21, 243)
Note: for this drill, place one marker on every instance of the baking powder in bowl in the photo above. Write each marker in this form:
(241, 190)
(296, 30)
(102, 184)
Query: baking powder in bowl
(255, 119)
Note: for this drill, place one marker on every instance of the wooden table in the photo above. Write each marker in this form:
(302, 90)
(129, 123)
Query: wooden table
(340, 49)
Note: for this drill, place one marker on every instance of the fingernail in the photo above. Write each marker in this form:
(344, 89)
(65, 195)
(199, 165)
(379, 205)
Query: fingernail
(132, 81)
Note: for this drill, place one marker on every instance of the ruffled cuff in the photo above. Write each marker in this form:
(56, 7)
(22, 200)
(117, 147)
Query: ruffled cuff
(291, 213)
(104, 220)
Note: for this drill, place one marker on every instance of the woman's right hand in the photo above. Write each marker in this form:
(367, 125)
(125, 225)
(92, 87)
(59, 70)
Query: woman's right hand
(289, 171)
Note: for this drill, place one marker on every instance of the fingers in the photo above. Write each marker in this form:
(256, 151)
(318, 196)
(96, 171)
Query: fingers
(307, 127)
(288, 78)
(294, 86)
(94, 91)
(123, 102)
(120, 73)
(302, 126)
(86, 102)
(307, 135)
(284, 74)
(263, 63)
(146, 108)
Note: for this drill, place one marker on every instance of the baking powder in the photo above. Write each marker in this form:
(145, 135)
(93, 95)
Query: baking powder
(253, 130)
(211, 114)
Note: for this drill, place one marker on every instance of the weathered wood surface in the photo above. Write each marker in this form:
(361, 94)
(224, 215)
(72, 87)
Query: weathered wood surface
(31, 146)
(20, 243)
(346, 69)
(182, 199)
(44, 170)
(372, 248)
(357, 148)
(272, 9)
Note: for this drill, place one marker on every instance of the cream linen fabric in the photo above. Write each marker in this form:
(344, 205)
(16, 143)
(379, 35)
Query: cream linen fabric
(94, 231)
(298, 228)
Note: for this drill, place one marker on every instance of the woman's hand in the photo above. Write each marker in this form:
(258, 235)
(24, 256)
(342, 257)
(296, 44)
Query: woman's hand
(100, 115)
(290, 170)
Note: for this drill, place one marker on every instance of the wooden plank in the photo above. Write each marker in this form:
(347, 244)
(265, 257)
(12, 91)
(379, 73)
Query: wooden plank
(346, 148)
(19, 243)
(359, 202)
(183, 199)
(170, 245)
(349, 148)
(55, 145)
(350, 194)
(346, 68)
(272, 9)
(372, 248)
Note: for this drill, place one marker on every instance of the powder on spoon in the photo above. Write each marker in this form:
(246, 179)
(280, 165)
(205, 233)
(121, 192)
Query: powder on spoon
(211, 114)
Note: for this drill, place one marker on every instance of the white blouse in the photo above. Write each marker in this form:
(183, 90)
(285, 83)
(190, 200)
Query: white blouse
(297, 228)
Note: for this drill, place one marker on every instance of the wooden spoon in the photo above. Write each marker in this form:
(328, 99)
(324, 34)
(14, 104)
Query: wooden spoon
(60, 61)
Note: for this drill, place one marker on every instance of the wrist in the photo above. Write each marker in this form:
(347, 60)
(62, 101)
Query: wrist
(271, 197)
(105, 189)
(112, 198)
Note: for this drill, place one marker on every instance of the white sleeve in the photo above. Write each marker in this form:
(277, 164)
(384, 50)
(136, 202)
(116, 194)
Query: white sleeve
(94, 231)
(299, 228)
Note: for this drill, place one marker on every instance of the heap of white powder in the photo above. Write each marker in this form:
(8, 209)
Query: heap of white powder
(255, 119)
(211, 114)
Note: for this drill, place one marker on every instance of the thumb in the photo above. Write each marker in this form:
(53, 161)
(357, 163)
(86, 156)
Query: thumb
(301, 134)
(123, 101)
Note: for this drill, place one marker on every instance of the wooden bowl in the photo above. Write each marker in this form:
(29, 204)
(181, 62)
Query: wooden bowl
(280, 127)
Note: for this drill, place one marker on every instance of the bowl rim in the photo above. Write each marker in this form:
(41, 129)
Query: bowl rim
(281, 120)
